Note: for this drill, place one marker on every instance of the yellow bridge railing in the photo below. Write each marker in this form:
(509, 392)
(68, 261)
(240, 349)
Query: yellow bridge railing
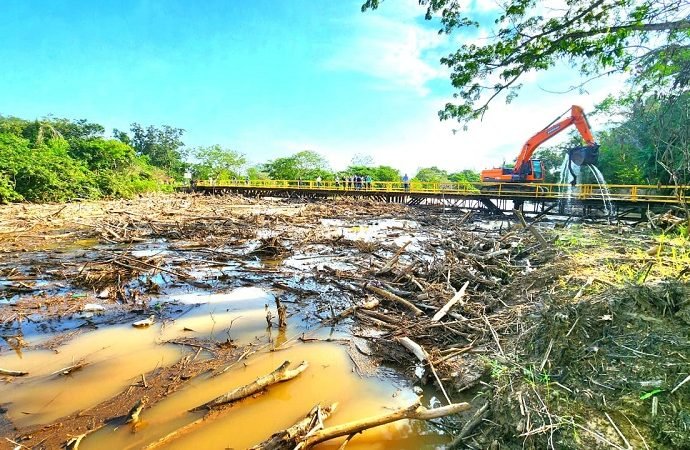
(534, 191)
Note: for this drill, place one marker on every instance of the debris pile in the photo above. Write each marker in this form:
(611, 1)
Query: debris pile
(508, 320)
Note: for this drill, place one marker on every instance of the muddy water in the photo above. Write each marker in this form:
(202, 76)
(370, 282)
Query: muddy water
(115, 355)
(328, 379)
(118, 355)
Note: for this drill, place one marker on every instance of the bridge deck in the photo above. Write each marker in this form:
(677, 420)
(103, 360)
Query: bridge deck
(498, 196)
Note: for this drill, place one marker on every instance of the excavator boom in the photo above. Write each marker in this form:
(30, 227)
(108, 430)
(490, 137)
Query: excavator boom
(526, 169)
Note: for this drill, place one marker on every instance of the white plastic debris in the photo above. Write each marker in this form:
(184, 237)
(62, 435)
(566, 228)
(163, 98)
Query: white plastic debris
(93, 307)
(144, 323)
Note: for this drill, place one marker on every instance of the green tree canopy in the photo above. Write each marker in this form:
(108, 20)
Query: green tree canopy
(58, 159)
(100, 153)
(378, 173)
(306, 164)
(257, 173)
(469, 176)
(595, 36)
(650, 142)
(162, 146)
(218, 162)
(431, 174)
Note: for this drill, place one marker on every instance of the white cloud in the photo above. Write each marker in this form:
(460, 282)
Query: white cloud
(392, 47)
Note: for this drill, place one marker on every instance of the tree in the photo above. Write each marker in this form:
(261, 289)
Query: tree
(218, 162)
(45, 172)
(306, 164)
(100, 153)
(162, 146)
(595, 36)
(58, 159)
(651, 142)
(465, 176)
(431, 174)
(386, 173)
(379, 173)
(257, 173)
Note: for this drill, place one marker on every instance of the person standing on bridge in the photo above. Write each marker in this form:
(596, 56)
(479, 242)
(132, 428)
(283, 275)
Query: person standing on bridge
(406, 182)
(337, 181)
(318, 181)
(368, 181)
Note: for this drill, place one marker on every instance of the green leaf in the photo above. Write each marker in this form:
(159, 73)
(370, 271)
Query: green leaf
(649, 394)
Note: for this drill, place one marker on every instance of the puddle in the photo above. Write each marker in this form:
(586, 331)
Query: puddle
(328, 379)
(118, 355)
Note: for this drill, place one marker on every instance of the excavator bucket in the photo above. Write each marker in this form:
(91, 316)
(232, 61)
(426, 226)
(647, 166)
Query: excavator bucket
(585, 155)
(582, 156)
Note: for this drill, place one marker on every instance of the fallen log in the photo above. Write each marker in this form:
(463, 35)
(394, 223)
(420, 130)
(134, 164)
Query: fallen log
(13, 373)
(71, 368)
(394, 298)
(389, 265)
(290, 437)
(414, 411)
(469, 426)
(279, 375)
(309, 431)
(456, 298)
(531, 229)
(371, 304)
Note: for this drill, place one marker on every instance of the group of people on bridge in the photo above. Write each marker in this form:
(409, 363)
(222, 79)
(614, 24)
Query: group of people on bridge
(354, 182)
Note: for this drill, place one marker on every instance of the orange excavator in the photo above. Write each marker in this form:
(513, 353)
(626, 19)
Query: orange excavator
(527, 170)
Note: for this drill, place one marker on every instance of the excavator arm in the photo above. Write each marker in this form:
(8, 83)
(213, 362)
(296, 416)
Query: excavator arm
(577, 118)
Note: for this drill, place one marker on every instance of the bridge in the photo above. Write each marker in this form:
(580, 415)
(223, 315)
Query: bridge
(585, 200)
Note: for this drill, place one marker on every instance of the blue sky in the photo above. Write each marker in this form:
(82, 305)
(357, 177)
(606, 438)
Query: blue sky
(267, 78)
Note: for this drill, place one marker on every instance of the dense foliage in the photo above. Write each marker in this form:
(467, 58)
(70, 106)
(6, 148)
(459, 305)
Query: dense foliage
(650, 143)
(306, 165)
(59, 159)
(218, 163)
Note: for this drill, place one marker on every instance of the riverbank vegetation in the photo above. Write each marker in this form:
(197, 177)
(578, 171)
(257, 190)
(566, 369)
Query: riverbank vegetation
(49, 160)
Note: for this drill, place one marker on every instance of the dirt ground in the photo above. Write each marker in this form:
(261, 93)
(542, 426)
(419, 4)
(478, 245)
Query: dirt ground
(562, 335)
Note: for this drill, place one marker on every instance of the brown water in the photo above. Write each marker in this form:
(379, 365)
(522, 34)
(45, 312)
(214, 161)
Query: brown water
(118, 356)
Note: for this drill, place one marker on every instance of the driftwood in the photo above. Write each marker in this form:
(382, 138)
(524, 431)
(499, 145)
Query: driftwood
(13, 373)
(531, 229)
(282, 314)
(423, 357)
(389, 265)
(394, 298)
(371, 304)
(281, 374)
(456, 298)
(469, 426)
(71, 368)
(73, 443)
(290, 437)
(135, 411)
(415, 411)
(309, 431)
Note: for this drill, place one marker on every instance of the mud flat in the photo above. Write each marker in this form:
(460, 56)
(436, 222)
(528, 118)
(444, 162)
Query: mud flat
(178, 321)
